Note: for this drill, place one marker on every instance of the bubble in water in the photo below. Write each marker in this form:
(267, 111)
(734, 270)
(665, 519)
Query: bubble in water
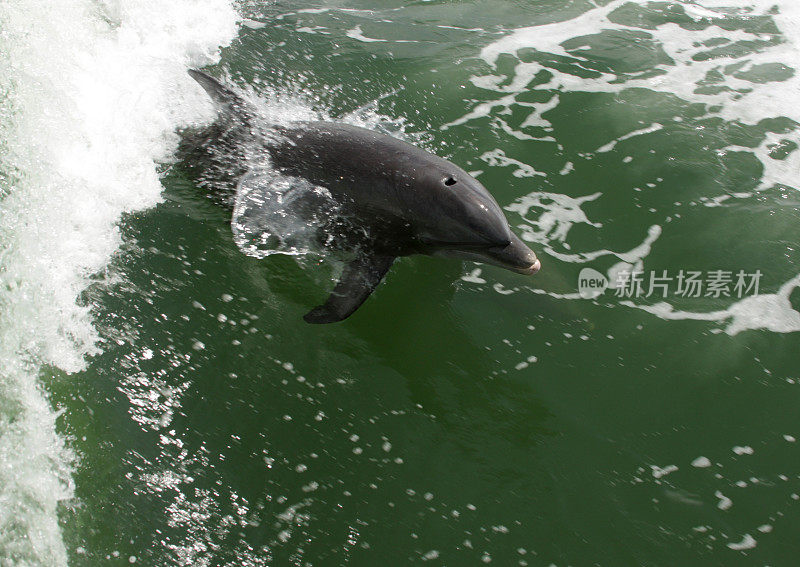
(276, 214)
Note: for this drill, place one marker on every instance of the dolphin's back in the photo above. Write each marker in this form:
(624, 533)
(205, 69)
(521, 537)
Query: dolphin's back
(378, 174)
(352, 162)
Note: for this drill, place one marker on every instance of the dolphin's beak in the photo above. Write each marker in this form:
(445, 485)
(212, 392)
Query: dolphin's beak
(516, 256)
(532, 269)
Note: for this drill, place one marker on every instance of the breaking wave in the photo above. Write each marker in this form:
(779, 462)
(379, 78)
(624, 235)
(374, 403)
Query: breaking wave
(90, 96)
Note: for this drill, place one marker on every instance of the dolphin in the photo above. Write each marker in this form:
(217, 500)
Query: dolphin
(395, 198)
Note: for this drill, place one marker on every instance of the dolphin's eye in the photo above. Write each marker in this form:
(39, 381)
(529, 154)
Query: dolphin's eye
(450, 181)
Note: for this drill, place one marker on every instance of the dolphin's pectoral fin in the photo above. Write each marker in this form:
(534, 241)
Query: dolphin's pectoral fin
(358, 281)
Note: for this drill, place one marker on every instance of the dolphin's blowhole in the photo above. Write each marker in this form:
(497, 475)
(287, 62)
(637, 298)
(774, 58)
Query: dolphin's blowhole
(450, 181)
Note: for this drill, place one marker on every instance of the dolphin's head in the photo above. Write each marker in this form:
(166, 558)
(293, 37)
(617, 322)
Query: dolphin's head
(460, 218)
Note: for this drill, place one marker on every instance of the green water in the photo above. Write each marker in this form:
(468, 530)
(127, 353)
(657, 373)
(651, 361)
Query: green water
(453, 421)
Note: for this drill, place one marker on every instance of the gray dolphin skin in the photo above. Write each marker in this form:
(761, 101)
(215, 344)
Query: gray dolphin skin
(396, 199)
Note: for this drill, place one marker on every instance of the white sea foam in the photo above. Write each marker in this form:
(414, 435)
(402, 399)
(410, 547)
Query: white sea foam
(755, 77)
(742, 99)
(550, 216)
(747, 542)
(498, 158)
(613, 144)
(90, 96)
(681, 45)
(356, 33)
(769, 311)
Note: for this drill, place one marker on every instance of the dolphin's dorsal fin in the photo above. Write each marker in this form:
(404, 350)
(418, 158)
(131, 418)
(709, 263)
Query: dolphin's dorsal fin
(359, 279)
(228, 101)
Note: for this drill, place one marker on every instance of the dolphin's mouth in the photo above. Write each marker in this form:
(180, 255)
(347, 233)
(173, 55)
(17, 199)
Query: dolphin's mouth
(516, 256)
(530, 270)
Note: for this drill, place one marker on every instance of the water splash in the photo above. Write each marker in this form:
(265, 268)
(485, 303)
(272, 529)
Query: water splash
(90, 96)
(277, 214)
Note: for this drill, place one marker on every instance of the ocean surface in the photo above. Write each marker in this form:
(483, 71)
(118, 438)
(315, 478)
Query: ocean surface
(162, 402)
